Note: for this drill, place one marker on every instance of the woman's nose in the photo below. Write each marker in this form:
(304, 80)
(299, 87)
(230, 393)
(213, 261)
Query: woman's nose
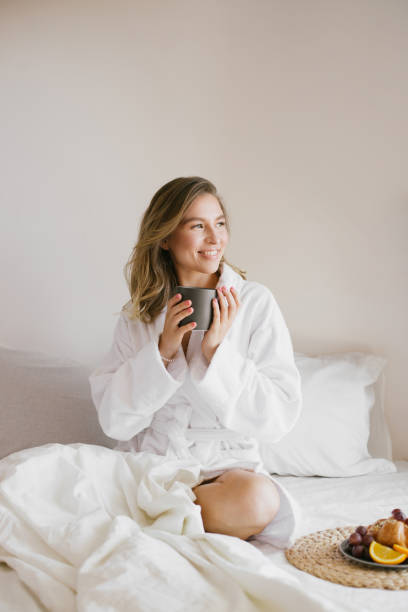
(212, 236)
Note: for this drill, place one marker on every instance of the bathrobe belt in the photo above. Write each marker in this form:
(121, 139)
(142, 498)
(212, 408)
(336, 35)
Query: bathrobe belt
(181, 438)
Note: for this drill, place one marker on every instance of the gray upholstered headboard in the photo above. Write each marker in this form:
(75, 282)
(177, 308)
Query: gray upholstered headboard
(45, 399)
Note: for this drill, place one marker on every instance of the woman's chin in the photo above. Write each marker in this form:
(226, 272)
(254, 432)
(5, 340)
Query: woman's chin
(202, 266)
(211, 266)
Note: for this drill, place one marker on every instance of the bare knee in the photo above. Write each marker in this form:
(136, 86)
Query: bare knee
(239, 503)
(259, 502)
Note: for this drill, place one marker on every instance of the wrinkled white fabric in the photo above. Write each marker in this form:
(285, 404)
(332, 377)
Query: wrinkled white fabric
(90, 529)
(215, 413)
(328, 503)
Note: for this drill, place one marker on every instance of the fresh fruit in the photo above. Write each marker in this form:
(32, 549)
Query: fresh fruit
(358, 551)
(355, 539)
(361, 530)
(385, 554)
(401, 549)
(367, 539)
(398, 514)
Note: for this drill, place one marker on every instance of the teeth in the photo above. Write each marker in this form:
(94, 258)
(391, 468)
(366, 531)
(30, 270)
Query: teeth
(209, 252)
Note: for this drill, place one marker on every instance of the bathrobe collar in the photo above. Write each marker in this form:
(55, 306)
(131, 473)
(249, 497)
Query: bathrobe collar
(229, 277)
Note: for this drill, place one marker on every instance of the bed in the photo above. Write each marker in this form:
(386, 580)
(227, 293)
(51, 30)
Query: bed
(75, 538)
(336, 502)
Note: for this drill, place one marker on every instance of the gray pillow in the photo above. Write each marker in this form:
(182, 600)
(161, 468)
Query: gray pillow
(45, 399)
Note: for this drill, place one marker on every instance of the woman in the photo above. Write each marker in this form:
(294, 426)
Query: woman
(208, 396)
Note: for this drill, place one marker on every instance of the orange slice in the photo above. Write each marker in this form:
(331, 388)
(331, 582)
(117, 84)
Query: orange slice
(385, 554)
(400, 549)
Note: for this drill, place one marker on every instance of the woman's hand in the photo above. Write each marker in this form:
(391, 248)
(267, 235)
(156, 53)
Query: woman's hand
(172, 335)
(224, 312)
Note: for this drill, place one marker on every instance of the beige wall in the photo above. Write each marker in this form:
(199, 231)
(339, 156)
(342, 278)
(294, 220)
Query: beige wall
(297, 110)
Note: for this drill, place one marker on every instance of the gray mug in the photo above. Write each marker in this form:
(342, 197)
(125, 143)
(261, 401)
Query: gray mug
(201, 301)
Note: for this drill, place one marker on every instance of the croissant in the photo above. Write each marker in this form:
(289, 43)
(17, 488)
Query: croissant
(389, 532)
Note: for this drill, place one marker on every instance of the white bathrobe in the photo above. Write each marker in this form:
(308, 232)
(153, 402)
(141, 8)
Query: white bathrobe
(212, 413)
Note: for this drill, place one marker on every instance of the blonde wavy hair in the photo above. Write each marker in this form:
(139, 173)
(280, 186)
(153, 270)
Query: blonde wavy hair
(149, 271)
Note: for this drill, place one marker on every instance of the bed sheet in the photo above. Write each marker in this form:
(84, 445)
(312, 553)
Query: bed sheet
(326, 503)
(14, 595)
(336, 502)
(90, 529)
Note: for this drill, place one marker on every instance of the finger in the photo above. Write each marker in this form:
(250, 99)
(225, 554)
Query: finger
(216, 313)
(231, 304)
(223, 305)
(174, 299)
(173, 311)
(177, 308)
(188, 327)
(221, 299)
(185, 312)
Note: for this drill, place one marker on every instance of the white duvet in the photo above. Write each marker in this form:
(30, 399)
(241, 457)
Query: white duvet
(91, 529)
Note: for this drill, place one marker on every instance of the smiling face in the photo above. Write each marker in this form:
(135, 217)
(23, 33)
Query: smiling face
(199, 242)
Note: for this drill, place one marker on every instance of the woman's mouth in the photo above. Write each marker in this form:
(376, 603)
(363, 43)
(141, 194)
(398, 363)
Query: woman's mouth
(210, 253)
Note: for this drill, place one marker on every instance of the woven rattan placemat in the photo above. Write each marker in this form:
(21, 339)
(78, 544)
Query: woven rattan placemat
(318, 554)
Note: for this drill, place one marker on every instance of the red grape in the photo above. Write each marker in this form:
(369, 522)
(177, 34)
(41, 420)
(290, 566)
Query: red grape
(361, 530)
(396, 511)
(355, 539)
(367, 539)
(357, 551)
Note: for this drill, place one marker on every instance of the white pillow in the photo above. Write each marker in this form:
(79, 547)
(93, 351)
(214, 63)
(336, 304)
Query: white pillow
(330, 438)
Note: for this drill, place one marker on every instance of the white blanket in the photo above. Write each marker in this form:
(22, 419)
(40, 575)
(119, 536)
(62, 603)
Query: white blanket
(91, 529)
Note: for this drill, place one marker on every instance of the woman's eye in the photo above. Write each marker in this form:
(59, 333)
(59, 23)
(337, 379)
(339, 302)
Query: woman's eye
(200, 225)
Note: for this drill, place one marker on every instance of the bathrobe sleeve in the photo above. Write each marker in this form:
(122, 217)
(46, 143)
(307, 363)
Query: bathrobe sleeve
(254, 390)
(132, 383)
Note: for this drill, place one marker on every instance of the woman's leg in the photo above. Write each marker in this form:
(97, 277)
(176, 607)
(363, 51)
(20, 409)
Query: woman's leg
(239, 503)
